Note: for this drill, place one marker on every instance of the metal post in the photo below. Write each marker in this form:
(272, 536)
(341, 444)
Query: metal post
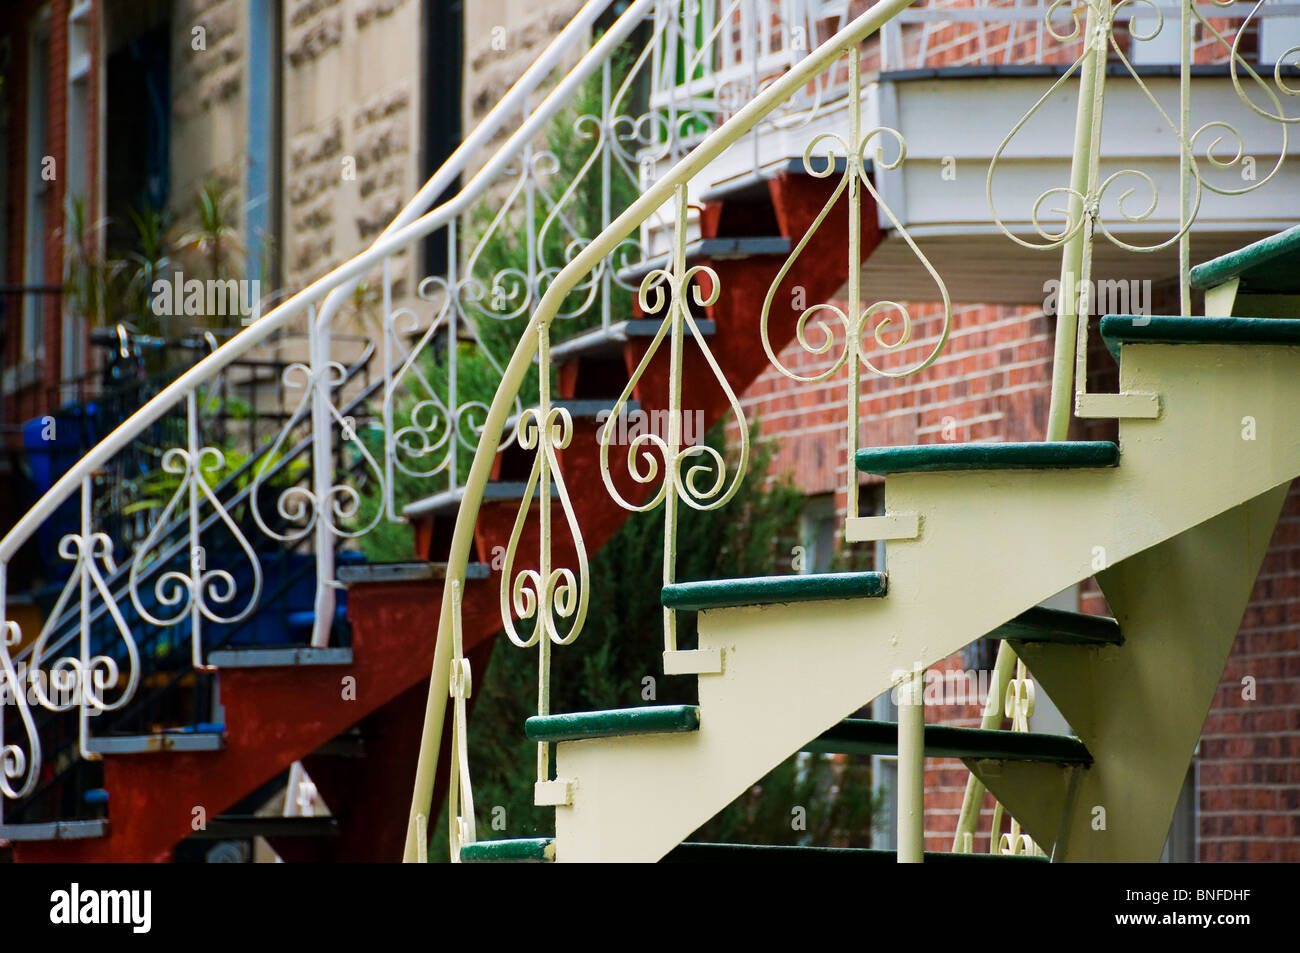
(1185, 158)
(991, 719)
(1074, 252)
(322, 477)
(911, 768)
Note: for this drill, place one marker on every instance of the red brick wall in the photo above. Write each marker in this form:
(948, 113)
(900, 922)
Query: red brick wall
(1248, 767)
(989, 383)
(939, 44)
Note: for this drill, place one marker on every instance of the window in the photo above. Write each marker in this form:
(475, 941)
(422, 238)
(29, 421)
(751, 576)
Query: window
(76, 171)
(261, 184)
(818, 532)
(443, 66)
(137, 123)
(884, 772)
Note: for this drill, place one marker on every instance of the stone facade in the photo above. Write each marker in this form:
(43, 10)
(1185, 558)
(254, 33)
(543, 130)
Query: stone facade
(208, 108)
(502, 39)
(348, 140)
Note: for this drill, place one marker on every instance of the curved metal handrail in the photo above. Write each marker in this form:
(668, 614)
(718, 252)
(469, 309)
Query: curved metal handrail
(663, 190)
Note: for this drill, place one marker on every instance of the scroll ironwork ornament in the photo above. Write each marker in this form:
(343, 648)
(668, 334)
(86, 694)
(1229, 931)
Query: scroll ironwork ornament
(336, 504)
(197, 592)
(703, 62)
(1086, 210)
(422, 446)
(548, 594)
(1238, 62)
(107, 660)
(1019, 707)
(83, 681)
(19, 765)
(693, 474)
(426, 423)
(892, 330)
(554, 598)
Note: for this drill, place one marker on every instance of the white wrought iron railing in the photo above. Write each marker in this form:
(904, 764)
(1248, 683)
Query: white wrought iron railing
(70, 665)
(552, 599)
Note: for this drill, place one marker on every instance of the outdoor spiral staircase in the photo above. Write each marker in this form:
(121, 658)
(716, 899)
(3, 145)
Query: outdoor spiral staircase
(1172, 522)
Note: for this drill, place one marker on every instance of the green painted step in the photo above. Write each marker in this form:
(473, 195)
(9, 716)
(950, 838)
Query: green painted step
(699, 853)
(540, 850)
(577, 726)
(1117, 329)
(1060, 626)
(525, 850)
(768, 590)
(988, 456)
(1268, 266)
(863, 736)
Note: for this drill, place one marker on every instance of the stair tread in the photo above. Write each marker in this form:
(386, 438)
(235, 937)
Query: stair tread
(710, 249)
(1061, 626)
(537, 850)
(699, 852)
(1268, 266)
(268, 657)
(174, 740)
(542, 850)
(448, 501)
(866, 736)
(240, 826)
(1117, 329)
(619, 722)
(611, 340)
(412, 571)
(766, 590)
(55, 830)
(1044, 455)
(752, 185)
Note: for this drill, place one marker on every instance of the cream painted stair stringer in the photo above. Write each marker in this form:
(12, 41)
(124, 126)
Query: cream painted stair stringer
(992, 544)
(1139, 707)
